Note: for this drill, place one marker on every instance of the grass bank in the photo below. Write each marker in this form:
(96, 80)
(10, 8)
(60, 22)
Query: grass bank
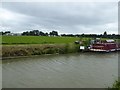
(38, 49)
(14, 46)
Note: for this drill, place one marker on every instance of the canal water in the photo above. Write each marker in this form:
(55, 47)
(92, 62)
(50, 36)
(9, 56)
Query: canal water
(81, 70)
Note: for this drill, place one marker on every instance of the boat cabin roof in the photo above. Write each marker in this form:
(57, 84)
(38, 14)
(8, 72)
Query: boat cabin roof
(110, 40)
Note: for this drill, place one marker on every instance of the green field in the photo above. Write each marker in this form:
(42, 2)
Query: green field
(37, 40)
(14, 46)
(12, 40)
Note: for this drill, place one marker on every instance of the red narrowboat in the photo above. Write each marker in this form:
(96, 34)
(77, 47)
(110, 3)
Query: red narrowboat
(105, 46)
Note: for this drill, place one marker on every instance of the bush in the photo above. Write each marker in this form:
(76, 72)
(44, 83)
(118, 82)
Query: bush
(116, 86)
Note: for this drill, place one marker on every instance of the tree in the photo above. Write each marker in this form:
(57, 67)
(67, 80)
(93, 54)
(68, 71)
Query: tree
(46, 34)
(36, 32)
(7, 32)
(83, 35)
(105, 33)
(42, 33)
(54, 33)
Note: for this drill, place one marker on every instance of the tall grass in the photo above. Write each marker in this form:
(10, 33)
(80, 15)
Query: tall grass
(28, 50)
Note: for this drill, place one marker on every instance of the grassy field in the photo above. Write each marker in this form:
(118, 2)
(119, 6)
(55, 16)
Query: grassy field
(11, 40)
(37, 40)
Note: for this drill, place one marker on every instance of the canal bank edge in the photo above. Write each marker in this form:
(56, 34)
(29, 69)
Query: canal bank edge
(11, 51)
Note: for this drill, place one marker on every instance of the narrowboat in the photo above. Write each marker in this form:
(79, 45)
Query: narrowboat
(104, 46)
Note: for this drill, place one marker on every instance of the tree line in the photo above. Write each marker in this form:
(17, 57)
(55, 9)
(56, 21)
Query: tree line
(40, 33)
(55, 33)
(33, 33)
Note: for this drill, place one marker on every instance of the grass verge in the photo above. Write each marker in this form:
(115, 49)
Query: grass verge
(38, 49)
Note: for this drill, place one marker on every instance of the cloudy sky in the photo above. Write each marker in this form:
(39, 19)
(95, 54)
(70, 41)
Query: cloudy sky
(64, 17)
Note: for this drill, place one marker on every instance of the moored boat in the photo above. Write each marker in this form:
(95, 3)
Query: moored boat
(104, 46)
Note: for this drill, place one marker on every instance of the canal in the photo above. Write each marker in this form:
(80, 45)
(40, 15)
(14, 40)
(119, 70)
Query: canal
(81, 70)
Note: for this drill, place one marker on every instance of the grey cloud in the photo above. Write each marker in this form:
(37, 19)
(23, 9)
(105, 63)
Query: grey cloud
(65, 17)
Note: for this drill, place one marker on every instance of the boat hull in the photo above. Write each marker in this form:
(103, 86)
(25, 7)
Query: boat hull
(100, 50)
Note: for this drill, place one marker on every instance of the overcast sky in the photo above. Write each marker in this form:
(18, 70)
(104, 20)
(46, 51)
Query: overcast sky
(64, 17)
